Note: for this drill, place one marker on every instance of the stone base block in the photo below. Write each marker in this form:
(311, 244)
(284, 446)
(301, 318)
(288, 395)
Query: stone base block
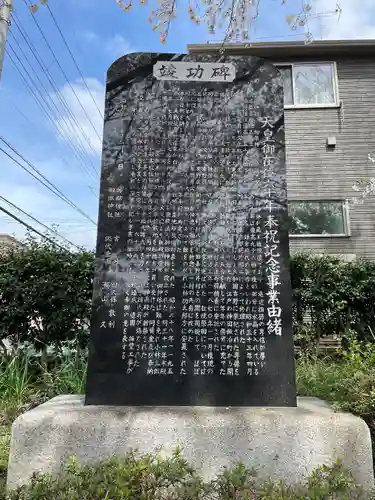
(282, 443)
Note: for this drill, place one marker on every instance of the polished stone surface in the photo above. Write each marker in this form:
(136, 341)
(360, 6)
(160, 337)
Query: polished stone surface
(192, 300)
(281, 443)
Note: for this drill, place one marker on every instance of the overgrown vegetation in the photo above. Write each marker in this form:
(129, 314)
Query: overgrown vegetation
(149, 477)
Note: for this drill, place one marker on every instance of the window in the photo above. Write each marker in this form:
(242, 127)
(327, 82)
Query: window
(310, 85)
(345, 257)
(319, 218)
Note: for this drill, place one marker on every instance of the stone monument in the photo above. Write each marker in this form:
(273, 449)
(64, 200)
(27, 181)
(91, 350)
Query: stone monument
(192, 314)
(192, 300)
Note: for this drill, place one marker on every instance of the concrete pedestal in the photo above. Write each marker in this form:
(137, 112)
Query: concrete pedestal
(281, 443)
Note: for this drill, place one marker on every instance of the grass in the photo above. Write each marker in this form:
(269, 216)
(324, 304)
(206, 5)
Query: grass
(25, 383)
(15, 387)
(5, 432)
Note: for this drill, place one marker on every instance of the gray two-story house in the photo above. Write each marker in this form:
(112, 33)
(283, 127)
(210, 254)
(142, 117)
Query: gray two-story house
(329, 91)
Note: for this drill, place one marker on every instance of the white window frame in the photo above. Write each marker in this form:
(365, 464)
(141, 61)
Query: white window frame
(345, 211)
(335, 83)
(345, 257)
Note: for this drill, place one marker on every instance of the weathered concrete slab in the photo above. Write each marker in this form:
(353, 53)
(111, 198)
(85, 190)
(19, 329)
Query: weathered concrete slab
(285, 443)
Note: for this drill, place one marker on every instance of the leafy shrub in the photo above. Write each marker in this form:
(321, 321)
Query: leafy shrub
(45, 295)
(338, 296)
(360, 353)
(150, 477)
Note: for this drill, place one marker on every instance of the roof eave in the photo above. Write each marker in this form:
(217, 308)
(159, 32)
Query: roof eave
(290, 49)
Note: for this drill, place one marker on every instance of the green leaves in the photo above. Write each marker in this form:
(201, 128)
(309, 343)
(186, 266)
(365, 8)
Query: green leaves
(150, 477)
(338, 296)
(45, 294)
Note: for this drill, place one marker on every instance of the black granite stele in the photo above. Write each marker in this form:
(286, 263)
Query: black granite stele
(192, 295)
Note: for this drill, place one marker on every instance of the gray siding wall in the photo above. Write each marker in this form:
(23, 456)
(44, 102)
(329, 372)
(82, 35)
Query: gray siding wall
(316, 173)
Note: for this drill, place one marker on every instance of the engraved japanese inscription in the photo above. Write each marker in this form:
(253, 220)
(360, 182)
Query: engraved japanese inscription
(192, 296)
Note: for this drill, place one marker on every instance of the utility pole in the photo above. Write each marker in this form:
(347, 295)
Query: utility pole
(6, 8)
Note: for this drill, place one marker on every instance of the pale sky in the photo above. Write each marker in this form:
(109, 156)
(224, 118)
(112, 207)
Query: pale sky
(65, 145)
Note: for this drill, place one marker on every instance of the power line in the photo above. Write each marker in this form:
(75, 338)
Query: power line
(74, 60)
(35, 53)
(16, 107)
(60, 116)
(48, 184)
(40, 104)
(64, 220)
(47, 104)
(61, 69)
(30, 89)
(37, 221)
(64, 225)
(31, 228)
(71, 228)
